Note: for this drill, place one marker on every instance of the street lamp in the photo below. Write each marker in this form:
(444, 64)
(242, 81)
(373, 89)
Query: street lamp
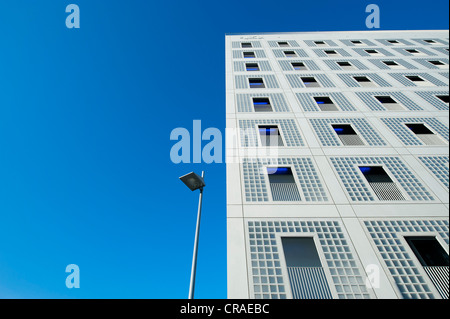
(194, 182)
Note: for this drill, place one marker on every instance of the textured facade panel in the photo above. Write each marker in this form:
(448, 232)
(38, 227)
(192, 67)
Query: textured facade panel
(239, 66)
(266, 281)
(296, 82)
(279, 53)
(369, 99)
(438, 166)
(387, 236)
(270, 81)
(398, 127)
(250, 135)
(359, 189)
(255, 184)
(287, 65)
(349, 80)
(431, 97)
(401, 77)
(245, 103)
(308, 103)
(327, 136)
(332, 64)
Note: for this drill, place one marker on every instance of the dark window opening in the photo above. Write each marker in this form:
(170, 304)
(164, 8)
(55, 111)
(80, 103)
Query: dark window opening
(299, 66)
(282, 184)
(325, 103)
(371, 51)
(443, 98)
(390, 63)
(330, 52)
(344, 63)
(385, 99)
(430, 41)
(412, 51)
(356, 42)
(343, 129)
(361, 79)
(310, 82)
(270, 135)
(251, 66)
(418, 128)
(246, 45)
(262, 104)
(300, 252)
(290, 54)
(248, 55)
(393, 41)
(428, 251)
(256, 83)
(347, 134)
(381, 183)
(415, 78)
(283, 44)
(320, 42)
(436, 62)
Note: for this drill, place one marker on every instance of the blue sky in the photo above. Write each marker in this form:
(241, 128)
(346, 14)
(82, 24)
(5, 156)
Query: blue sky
(85, 120)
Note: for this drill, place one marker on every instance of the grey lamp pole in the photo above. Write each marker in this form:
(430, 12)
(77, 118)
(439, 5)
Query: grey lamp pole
(193, 181)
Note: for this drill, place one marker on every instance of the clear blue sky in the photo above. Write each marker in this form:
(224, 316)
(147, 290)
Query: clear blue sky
(85, 120)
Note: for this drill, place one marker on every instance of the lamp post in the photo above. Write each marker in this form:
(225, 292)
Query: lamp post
(194, 182)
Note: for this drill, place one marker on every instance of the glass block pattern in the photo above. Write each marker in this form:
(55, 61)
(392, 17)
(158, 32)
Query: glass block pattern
(295, 81)
(351, 82)
(403, 266)
(266, 273)
(277, 100)
(309, 104)
(406, 53)
(238, 54)
(401, 77)
(334, 66)
(441, 50)
(425, 63)
(237, 44)
(362, 52)
(430, 97)
(287, 66)
(438, 40)
(438, 166)
(369, 99)
(311, 43)
(241, 81)
(402, 41)
(379, 63)
(321, 52)
(279, 53)
(328, 137)
(250, 135)
(358, 188)
(398, 127)
(274, 44)
(350, 44)
(239, 66)
(445, 74)
(256, 188)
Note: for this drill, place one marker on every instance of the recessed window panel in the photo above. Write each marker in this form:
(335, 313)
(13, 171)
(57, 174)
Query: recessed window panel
(381, 183)
(290, 54)
(249, 55)
(246, 45)
(256, 83)
(270, 135)
(251, 66)
(310, 82)
(299, 66)
(262, 104)
(282, 184)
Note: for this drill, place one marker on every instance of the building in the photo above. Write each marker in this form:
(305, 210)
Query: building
(338, 164)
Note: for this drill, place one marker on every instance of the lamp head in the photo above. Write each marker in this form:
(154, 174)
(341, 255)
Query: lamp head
(193, 181)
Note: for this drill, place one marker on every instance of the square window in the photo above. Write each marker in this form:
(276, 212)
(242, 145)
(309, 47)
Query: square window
(425, 134)
(249, 55)
(381, 183)
(246, 45)
(290, 54)
(443, 98)
(325, 104)
(345, 65)
(389, 103)
(320, 43)
(299, 66)
(372, 52)
(252, 67)
(417, 80)
(394, 42)
(270, 135)
(256, 83)
(262, 104)
(330, 52)
(364, 81)
(282, 184)
(283, 44)
(310, 82)
(356, 42)
(347, 134)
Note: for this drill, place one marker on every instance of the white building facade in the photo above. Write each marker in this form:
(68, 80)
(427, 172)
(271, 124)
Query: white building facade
(338, 165)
